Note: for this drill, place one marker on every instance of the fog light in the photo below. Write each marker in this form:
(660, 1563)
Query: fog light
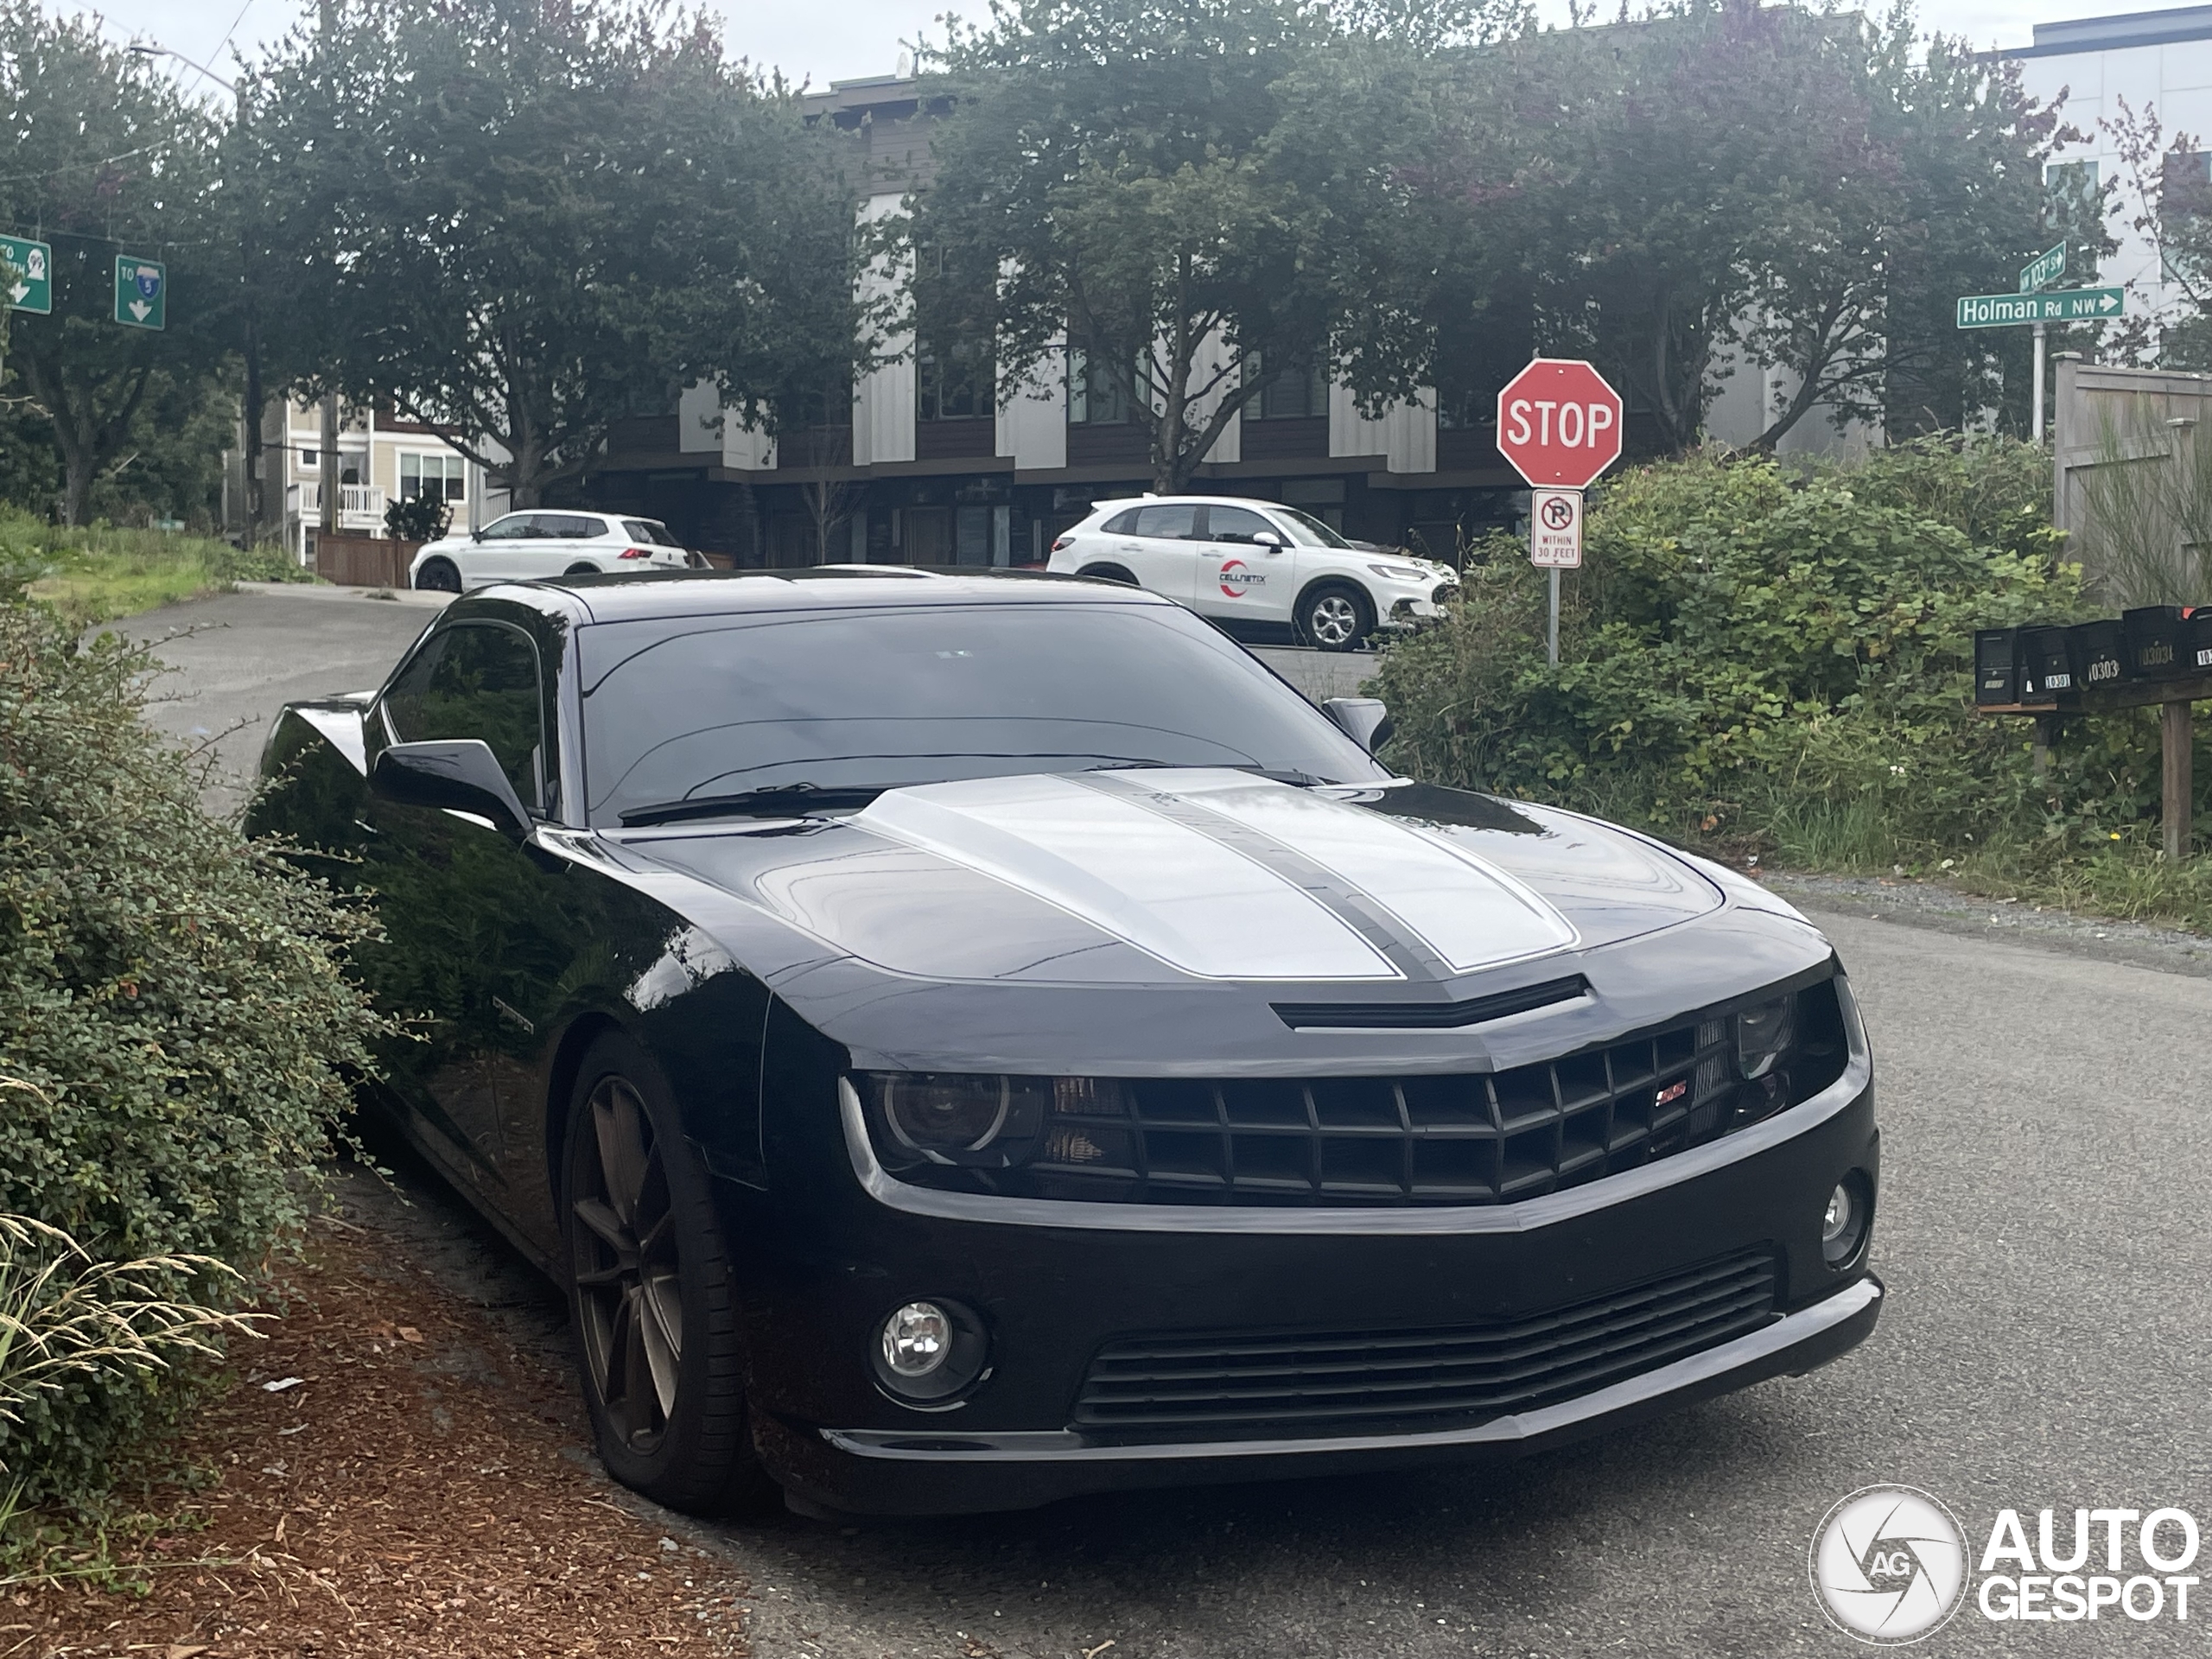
(1843, 1225)
(918, 1338)
(927, 1352)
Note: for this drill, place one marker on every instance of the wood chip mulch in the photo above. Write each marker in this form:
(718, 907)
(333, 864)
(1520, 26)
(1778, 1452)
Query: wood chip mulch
(421, 1489)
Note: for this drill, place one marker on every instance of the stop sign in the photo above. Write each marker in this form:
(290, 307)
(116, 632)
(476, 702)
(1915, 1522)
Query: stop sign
(1558, 423)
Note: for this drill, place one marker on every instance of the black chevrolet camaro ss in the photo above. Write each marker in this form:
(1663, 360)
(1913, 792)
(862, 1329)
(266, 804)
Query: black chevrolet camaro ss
(966, 1039)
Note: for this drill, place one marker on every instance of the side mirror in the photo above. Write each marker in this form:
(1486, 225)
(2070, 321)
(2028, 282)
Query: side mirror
(459, 774)
(1366, 720)
(1266, 539)
(475, 534)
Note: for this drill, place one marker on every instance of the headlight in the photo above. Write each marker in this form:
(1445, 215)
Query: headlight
(988, 1122)
(1400, 572)
(1763, 1035)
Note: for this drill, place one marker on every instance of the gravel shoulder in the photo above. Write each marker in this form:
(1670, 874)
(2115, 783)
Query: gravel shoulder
(1947, 909)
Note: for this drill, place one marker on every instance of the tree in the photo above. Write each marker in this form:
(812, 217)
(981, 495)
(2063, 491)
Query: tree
(1806, 187)
(517, 223)
(101, 156)
(1140, 185)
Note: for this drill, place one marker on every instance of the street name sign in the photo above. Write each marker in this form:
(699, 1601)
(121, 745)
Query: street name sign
(2043, 268)
(1555, 528)
(2067, 305)
(142, 292)
(1558, 423)
(30, 281)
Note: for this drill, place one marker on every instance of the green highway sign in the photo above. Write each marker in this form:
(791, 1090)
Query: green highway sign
(2067, 305)
(2045, 268)
(142, 292)
(29, 285)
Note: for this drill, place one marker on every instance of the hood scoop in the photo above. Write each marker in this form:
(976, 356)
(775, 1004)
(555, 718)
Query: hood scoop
(1226, 876)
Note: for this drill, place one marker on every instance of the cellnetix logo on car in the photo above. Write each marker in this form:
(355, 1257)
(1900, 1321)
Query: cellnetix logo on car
(1237, 580)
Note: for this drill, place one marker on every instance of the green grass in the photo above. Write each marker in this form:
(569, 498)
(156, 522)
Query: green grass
(2127, 878)
(98, 574)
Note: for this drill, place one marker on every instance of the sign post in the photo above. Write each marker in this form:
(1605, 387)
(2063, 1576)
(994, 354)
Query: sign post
(1554, 544)
(142, 292)
(1560, 424)
(2041, 271)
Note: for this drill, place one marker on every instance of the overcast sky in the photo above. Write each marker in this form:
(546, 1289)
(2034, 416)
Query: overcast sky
(823, 41)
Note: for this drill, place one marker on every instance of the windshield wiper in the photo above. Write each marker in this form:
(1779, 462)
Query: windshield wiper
(777, 800)
(1273, 774)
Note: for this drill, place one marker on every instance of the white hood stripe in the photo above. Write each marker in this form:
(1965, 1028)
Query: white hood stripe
(1184, 897)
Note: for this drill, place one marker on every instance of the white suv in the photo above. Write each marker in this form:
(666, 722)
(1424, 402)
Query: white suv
(542, 542)
(1240, 561)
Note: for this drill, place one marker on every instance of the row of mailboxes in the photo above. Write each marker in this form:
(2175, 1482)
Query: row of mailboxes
(2053, 664)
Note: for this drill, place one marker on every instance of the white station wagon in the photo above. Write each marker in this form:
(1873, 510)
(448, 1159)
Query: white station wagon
(1257, 563)
(545, 543)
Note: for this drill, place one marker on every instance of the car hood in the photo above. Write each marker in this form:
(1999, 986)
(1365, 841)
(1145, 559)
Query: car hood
(1182, 922)
(1163, 875)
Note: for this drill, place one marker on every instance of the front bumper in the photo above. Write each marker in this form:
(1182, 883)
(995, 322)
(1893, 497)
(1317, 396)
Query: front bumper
(903, 1471)
(1055, 1282)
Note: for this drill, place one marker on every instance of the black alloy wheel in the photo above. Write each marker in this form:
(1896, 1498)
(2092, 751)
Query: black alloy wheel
(1335, 616)
(651, 1295)
(438, 576)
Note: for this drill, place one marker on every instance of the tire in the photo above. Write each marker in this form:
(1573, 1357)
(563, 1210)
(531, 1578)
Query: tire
(652, 1299)
(438, 576)
(1110, 573)
(580, 569)
(1334, 616)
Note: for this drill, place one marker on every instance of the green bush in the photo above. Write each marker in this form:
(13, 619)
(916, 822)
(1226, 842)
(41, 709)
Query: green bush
(1747, 654)
(174, 993)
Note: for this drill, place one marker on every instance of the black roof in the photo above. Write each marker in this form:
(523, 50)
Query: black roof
(624, 596)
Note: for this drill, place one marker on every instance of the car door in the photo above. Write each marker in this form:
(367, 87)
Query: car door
(1246, 570)
(579, 539)
(1156, 543)
(503, 550)
(457, 897)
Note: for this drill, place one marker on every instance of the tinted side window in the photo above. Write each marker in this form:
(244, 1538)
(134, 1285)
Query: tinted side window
(476, 680)
(513, 528)
(1121, 524)
(570, 527)
(1234, 523)
(1167, 523)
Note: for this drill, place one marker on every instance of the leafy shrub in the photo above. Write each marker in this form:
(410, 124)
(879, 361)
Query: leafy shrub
(416, 519)
(1745, 652)
(173, 993)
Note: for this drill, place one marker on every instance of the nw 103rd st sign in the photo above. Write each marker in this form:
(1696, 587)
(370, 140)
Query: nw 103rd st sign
(2069, 305)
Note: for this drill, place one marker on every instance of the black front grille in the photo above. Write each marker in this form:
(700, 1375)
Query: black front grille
(1345, 1381)
(1458, 1138)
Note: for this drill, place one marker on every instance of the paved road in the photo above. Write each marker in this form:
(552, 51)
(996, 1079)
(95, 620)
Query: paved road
(238, 658)
(2047, 1174)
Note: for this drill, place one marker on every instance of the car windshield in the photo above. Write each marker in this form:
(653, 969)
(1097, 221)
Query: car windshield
(826, 705)
(1308, 530)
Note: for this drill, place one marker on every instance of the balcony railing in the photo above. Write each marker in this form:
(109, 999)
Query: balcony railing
(360, 507)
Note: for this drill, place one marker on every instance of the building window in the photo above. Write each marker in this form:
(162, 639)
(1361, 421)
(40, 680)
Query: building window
(2074, 207)
(952, 383)
(441, 478)
(1297, 392)
(1094, 399)
(310, 459)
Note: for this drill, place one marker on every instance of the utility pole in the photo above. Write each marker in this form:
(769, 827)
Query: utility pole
(327, 25)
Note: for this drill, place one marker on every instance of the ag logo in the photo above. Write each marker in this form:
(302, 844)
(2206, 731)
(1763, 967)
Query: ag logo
(1237, 580)
(1889, 1565)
